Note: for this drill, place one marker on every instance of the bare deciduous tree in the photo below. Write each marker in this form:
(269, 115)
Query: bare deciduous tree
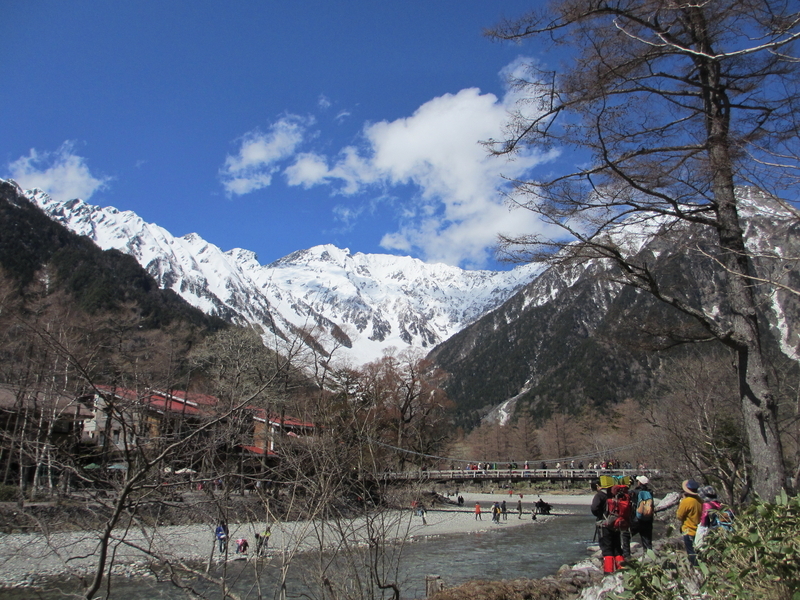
(699, 424)
(669, 105)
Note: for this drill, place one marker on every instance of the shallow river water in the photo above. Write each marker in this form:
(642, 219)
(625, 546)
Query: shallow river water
(531, 550)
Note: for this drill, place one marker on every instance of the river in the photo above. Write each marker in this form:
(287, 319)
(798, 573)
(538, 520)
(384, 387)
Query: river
(533, 550)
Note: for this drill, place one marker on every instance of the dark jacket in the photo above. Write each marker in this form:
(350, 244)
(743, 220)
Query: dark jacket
(599, 504)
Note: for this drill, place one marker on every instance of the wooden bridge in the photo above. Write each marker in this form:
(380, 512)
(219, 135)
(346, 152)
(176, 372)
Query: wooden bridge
(498, 475)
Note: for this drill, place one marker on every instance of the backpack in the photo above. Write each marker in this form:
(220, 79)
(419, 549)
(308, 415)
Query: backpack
(644, 506)
(618, 508)
(719, 517)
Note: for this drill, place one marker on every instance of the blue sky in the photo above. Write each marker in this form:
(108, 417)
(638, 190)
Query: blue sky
(270, 126)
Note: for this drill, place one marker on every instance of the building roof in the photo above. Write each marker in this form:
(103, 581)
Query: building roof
(192, 403)
(259, 414)
(15, 397)
(258, 450)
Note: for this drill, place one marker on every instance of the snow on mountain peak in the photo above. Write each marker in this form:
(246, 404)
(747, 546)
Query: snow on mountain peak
(359, 304)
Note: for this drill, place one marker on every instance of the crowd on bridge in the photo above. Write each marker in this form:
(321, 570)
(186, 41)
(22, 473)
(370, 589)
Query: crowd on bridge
(611, 464)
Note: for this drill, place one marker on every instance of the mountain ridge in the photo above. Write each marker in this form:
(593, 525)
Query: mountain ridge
(576, 335)
(352, 305)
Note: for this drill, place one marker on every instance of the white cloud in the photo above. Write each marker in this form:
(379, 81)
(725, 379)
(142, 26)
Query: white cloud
(323, 102)
(252, 167)
(308, 169)
(458, 211)
(62, 174)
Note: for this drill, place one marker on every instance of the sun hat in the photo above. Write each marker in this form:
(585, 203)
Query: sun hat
(642, 479)
(690, 486)
(707, 492)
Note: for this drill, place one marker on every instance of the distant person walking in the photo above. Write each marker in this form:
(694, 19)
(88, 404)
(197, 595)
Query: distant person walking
(478, 516)
(519, 507)
(504, 510)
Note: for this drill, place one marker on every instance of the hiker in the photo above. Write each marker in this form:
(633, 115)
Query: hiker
(242, 546)
(712, 516)
(496, 513)
(611, 508)
(262, 541)
(221, 534)
(643, 505)
(689, 512)
(542, 507)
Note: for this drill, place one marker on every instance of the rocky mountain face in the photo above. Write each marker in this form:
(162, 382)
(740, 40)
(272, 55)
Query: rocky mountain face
(349, 306)
(35, 251)
(576, 336)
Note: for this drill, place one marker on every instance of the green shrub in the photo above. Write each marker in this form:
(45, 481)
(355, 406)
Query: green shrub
(760, 558)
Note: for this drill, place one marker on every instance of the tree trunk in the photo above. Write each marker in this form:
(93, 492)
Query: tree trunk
(758, 403)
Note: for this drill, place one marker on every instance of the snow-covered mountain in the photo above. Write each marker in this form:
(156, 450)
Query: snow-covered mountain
(576, 335)
(354, 306)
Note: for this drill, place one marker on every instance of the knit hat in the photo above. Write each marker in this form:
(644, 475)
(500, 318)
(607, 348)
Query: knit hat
(690, 486)
(707, 492)
(642, 479)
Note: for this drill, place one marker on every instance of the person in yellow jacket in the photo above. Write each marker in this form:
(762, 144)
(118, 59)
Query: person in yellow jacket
(689, 511)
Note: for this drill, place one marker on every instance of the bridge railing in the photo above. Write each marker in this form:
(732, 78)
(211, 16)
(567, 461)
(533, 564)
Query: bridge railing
(516, 474)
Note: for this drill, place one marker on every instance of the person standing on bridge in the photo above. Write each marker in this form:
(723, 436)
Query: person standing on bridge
(478, 516)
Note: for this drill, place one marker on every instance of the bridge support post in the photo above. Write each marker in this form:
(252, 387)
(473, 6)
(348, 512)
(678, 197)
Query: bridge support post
(433, 584)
